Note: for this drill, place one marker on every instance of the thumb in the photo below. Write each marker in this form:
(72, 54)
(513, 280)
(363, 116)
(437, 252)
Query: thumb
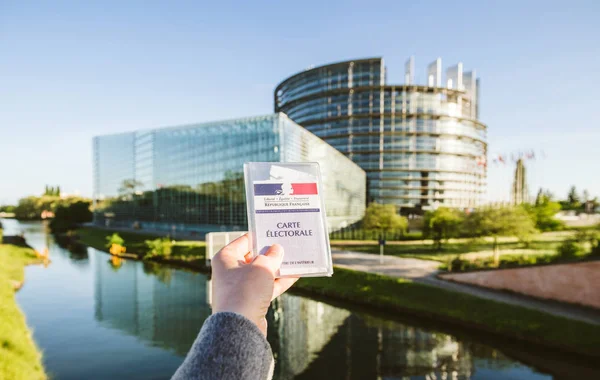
(275, 255)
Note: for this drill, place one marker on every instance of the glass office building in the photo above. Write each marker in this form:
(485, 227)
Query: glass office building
(190, 178)
(422, 146)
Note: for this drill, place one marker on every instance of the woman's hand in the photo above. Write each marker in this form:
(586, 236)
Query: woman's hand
(246, 285)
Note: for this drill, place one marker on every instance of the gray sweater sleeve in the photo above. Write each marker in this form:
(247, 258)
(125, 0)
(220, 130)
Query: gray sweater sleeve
(229, 346)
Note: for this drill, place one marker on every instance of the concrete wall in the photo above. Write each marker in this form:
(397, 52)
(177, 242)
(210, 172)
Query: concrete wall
(575, 283)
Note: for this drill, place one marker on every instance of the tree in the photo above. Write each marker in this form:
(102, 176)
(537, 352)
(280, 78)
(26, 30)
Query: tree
(544, 211)
(595, 203)
(539, 196)
(7, 208)
(383, 217)
(586, 195)
(69, 215)
(573, 198)
(500, 221)
(569, 249)
(442, 224)
(128, 191)
(596, 244)
(31, 208)
(52, 191)
(28, 209)
(589, 204)
(543, 196)
(129, 186)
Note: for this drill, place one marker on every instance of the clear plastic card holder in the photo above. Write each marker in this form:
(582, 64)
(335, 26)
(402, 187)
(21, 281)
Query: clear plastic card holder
(286, 206)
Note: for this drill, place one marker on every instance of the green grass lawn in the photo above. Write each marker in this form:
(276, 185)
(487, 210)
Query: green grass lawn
(182, 250)
(96, 238)
(541, 244)
(468, 255)
(451, 250)
(405, 296)
(554, 236)
(19, 356)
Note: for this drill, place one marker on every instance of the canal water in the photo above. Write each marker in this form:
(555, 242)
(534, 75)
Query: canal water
(95, 318)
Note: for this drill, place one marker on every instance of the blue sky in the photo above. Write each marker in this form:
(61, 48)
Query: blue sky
(70, 70)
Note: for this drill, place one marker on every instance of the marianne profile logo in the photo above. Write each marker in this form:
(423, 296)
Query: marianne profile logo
(285, 188)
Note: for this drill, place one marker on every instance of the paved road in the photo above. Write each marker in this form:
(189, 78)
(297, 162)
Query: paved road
(392, 266)
(425, 272)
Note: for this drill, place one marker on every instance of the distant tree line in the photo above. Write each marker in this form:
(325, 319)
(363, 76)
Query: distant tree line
(52, 191)
(494, 221)
(7, 208)
(581, 203)
(444, 223)
(32, 207)
(66, 212)
(499, 220)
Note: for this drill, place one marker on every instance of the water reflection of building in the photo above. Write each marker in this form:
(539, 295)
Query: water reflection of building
(300, 329)
(409, 351)
(158, 305)
(314, 339)
(310, 339)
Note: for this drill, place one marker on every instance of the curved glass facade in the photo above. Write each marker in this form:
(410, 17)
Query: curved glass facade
(421, 146)
(189, 178)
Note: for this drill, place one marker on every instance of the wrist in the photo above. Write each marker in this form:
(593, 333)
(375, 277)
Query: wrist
(260, 323)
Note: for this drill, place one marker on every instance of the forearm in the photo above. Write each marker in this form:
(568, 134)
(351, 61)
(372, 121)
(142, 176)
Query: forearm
(229, 346)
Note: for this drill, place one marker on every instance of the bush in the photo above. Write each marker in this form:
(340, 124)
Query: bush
(159, 248)
(569, 249)
(442, 224)
(595, 252)
(499, 221)
(514, 261)
(188, 251)
(587, 235)
(457, 264)
(70, 215)
(7, 208)
(543, 212)
(31, 208)
(383, 217)
(114, 239)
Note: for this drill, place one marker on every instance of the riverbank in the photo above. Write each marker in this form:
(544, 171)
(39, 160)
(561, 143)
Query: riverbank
(423, 301)
(19, 356)
(459, 310)
(190, 254)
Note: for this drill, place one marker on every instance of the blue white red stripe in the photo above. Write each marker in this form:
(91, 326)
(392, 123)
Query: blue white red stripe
(290, 189)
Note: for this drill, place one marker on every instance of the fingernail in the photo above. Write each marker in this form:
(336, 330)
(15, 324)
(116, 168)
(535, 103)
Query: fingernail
(277, 249)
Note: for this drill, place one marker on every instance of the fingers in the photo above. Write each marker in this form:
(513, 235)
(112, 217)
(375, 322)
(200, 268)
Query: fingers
(281, 285)
(235, 250)
(272, 258)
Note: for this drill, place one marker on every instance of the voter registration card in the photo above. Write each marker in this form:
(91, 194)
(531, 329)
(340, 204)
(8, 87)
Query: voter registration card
(285, 206)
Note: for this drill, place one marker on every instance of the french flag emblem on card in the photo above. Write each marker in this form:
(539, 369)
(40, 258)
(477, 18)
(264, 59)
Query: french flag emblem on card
(285, 189)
